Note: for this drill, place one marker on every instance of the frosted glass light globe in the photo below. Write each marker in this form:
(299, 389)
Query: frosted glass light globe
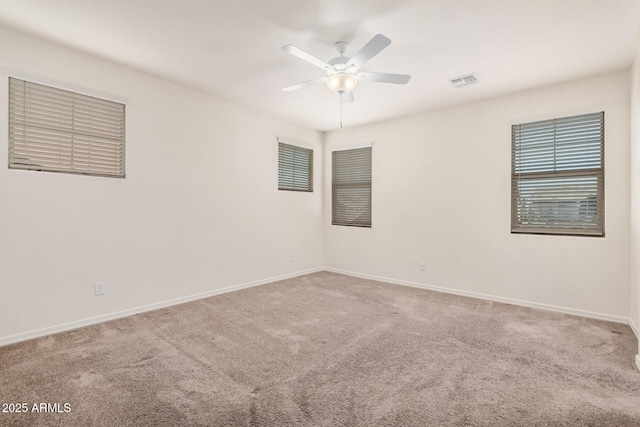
(341, 83)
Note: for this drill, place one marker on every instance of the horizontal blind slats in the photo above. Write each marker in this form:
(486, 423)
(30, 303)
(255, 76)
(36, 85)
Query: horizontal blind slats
(75, 125)
(61, 114)
(39, 91)
(558, 176)
(60, 131)
(295, 168)
(351, 187)
(34, 139)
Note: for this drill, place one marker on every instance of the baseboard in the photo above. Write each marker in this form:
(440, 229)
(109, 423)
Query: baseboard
(635, 329)
(565, 310)
(11, 339)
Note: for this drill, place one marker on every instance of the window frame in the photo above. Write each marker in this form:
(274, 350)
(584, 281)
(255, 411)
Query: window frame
(361, 182)
(289, 178)
(55, 129)
(578, 171)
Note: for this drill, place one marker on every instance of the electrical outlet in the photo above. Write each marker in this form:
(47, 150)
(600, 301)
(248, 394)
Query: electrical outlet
(291, 257)
(421, 265)
(99, 288)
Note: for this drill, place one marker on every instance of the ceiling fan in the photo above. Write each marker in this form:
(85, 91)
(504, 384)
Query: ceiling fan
(343, 72)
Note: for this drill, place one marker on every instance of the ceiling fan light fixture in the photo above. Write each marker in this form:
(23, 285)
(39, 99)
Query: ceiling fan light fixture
(341, 83)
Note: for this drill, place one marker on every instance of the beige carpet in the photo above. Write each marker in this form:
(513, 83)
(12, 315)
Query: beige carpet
(330, 350)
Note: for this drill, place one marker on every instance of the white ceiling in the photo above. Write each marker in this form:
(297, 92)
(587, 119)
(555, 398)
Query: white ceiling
(232, 49)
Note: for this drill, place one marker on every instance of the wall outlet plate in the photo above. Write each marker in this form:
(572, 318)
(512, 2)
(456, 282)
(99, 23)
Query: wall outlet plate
(99, 288)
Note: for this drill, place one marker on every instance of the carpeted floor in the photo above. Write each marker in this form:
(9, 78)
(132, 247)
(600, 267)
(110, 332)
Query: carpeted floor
(329, 350)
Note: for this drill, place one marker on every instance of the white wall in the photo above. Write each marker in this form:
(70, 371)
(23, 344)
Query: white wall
(635, 200)
(198, 211)
(433, 173)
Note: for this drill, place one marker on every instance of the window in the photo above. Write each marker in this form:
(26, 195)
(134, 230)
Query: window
(557, 179)
(295, 168)
(56, 130)
(351, 187)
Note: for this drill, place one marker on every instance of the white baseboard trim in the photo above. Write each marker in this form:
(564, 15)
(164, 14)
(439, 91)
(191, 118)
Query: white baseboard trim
(11, 339)
(565, 310)
(635, 329)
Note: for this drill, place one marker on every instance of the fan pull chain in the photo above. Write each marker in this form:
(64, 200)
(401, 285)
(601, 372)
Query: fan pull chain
(341, 111)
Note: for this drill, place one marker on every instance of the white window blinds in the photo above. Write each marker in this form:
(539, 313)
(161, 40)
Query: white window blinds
(351, 187)
(557, 181)
(295, 168)
(60, 131)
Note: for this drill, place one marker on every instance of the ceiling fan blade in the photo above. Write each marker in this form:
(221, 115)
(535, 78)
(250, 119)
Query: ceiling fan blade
(347, 97)
(369, 50)
(303, 84)
(306, 57)
(400, 79)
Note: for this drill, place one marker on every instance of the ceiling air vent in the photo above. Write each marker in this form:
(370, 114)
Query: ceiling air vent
(467, 80)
